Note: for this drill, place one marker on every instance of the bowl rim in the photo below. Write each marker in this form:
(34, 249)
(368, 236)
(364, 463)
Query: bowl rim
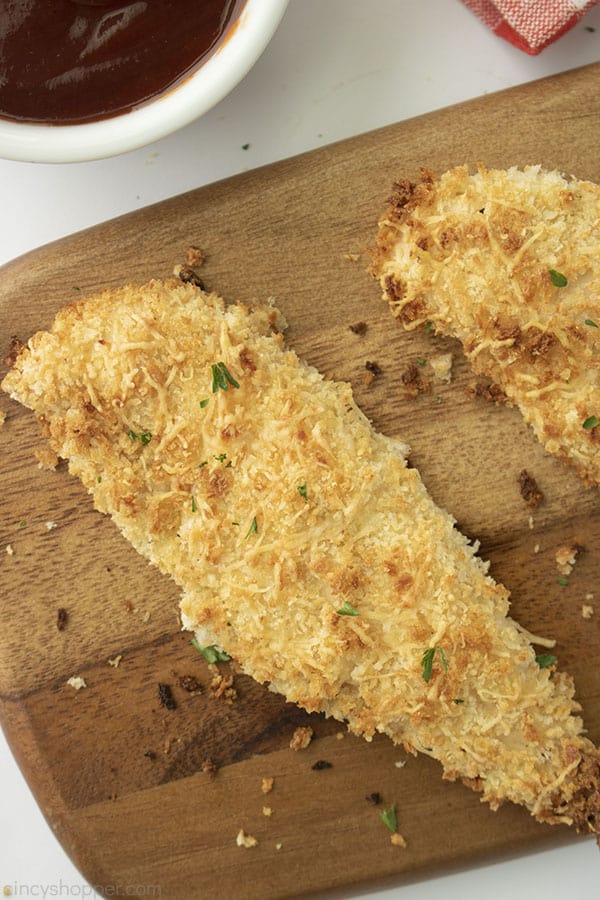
(185, 102)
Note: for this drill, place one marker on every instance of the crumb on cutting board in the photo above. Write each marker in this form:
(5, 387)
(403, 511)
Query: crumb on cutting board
(397, 840)
(441, 364)
(267, 785)
(301, 738)
(194, 256)
(566, 557)
(77, 682)
(529, 489)
(245, 840)
(221, 687)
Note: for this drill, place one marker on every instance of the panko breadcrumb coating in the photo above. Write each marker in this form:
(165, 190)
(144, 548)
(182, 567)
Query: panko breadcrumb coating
(508, 262)
(304, 545)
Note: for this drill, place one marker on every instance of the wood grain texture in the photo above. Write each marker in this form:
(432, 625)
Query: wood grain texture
(120, 777)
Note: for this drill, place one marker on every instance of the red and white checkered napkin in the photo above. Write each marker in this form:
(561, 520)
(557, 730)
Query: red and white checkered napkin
(530, 24)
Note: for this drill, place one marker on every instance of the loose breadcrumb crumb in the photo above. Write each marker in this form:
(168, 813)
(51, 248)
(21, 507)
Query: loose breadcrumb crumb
(339, 736)
(245, 840)
(194, 256)
(10, 550)
(587, 611)
(221, 687)
(566, 557)
(267, 785)
(278, 846)
(75, 681)
(397, 840)
(442, 366)
(400, 763)
(536, 549)
(2, 418)
(115, 661)
(267, 811)
(529, 490)
(301, 738)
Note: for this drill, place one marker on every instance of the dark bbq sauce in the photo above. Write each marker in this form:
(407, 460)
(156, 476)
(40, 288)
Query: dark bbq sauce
(67, 61)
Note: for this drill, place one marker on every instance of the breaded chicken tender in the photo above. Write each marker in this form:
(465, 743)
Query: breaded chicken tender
(304, 545)
(508, 262)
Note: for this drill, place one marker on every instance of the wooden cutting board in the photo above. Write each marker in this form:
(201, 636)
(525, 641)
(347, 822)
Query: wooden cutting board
(126, 783)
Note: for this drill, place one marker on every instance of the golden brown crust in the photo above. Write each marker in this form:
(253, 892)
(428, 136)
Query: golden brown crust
(303, 543)
(484, 257)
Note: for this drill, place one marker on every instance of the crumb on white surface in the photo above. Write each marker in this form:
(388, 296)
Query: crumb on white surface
(245, 840)
(77, 682)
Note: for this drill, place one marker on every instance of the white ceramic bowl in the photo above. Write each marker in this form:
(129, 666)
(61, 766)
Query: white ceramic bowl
(208, 84)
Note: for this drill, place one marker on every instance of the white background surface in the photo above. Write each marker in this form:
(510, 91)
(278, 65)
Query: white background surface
(335, 68)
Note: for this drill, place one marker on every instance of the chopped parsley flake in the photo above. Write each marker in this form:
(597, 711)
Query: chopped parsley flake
(388, 817)
(253, 528)
(221, 457)
(346, 609)
(428, 325)
(591, 322)
(557, 278)
(22, 523)
(302, 490)
(204, 403)
(591, 422)
(427, 662)
(211, 654)
(420, 361)
(194, 505)
(458, 700)
(545, 660)
(563, 581)
(144, 436)
(203, 463)
(222, 377)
